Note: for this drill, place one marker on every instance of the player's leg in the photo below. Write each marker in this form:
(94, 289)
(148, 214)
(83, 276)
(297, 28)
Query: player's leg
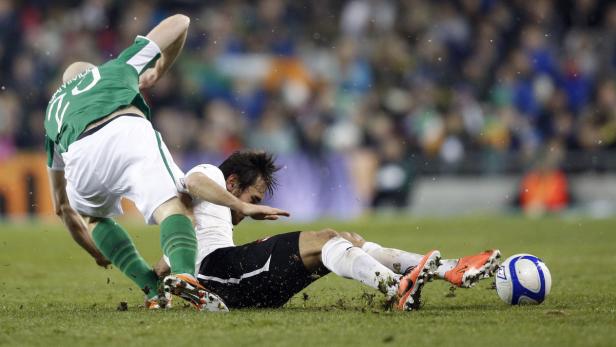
(117, 246)
(179, 244)
(149, 177)
(345, 259)
(463, 272)
(259, 274)
(88, 174)
(132, 161)
(342, 254)
(126, 158)
(396, 260)
(177, 236)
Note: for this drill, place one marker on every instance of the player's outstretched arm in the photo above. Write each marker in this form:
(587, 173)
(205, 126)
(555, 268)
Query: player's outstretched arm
(169, 35)
(71, 219)
(202, 187)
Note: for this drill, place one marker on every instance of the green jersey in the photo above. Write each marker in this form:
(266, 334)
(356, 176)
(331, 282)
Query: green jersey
(96, 93)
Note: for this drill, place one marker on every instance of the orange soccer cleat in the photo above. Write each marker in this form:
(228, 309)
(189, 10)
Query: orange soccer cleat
(409, 289)
(472, 268)
(188, 288)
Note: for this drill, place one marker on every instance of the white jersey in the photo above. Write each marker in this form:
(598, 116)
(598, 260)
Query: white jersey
(213, 224)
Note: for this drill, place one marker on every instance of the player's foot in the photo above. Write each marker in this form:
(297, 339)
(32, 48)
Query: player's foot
(472, 268)
(409, 289)
(161, 301)
(188, 288)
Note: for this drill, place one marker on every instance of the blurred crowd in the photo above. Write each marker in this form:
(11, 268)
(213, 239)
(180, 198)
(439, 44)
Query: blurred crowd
(394, 85)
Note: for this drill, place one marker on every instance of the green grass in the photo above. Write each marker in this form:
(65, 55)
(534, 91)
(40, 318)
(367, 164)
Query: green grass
(52, 293)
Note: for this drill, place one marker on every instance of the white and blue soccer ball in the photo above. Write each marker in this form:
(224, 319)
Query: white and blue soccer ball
(523, 279)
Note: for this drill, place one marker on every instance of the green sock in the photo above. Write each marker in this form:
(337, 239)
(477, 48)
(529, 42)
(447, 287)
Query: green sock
(116, 245)
(179, 243)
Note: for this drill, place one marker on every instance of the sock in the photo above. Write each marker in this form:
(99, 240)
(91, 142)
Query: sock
(116, 245)
(396, 260)
(400, 261)
(343, 259)
(179, 243)
(446, 265)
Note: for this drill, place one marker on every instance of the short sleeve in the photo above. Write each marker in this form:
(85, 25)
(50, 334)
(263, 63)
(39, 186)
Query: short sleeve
(211, 171)
(141, 55)
(54, 159)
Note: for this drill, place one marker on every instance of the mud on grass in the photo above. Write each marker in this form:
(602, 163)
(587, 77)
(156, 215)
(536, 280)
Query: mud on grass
(52, 293)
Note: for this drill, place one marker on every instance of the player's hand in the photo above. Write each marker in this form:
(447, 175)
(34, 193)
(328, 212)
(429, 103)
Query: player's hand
(148, 78)
(102, 261)
(262, 212)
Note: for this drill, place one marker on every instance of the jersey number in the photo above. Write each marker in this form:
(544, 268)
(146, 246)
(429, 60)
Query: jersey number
(58, 100)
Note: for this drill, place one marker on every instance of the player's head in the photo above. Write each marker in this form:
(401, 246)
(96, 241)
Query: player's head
(75, 69)
(249, 175)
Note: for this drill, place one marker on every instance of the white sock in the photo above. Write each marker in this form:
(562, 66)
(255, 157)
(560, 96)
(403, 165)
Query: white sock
(446, 265)
(399, 261)
(396, 260)
(343, 259)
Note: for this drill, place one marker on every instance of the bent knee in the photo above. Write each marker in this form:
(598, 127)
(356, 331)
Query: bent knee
(168, 208)
(354, 238)
(328, 233)
(319, 237)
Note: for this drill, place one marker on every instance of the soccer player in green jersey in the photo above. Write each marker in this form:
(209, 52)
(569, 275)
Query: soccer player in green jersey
(101, 147)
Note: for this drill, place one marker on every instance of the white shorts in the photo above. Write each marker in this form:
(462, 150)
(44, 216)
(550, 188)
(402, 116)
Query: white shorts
(125, 158)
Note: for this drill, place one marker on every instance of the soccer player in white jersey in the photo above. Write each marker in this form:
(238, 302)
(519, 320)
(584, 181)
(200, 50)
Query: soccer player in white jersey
(268, 272)
(101, 147)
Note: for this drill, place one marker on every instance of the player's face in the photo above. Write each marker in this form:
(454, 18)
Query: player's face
(253, 194)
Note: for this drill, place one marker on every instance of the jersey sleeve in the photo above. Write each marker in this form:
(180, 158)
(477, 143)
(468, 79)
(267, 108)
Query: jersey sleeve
(141, 55)
(54, 159)
(211, 171)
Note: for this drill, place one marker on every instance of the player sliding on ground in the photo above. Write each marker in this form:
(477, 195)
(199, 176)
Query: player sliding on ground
(101, 147)
(268, 272)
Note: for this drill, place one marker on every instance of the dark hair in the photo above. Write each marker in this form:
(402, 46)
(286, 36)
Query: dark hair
(249, 165)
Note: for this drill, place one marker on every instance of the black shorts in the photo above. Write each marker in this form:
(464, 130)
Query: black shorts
(263, 273)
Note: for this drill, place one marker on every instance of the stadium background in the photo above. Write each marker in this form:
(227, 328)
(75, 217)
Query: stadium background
(432, 107)
(493, 109)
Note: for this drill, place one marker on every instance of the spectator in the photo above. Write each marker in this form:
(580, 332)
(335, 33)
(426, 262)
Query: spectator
(545, 188)
(479, 86)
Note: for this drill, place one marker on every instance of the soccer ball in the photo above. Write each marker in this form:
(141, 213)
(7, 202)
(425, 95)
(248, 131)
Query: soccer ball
(523, 279)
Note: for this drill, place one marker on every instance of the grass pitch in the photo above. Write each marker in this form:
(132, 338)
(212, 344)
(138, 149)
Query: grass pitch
(52, 293)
